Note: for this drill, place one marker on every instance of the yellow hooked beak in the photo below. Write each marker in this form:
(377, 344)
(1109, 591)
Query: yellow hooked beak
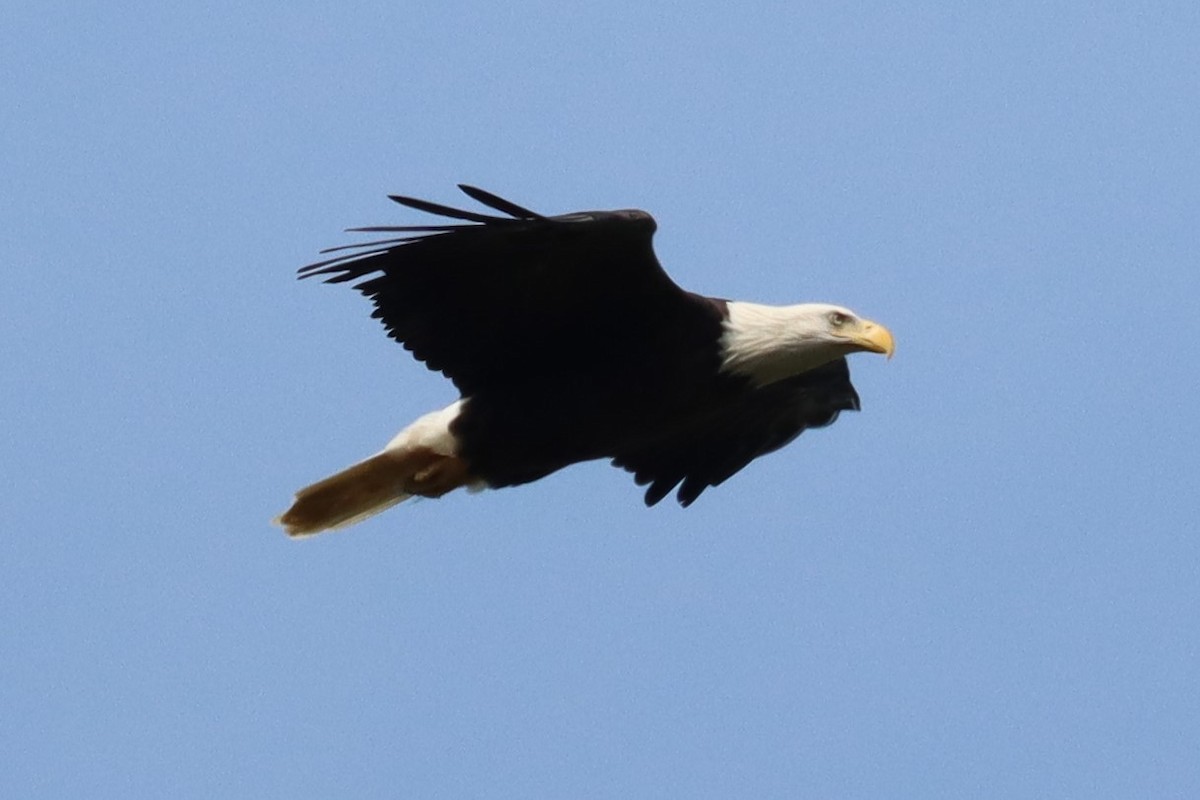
(873, 337)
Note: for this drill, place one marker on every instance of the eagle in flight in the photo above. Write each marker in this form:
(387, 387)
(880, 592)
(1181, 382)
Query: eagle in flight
(568, 342)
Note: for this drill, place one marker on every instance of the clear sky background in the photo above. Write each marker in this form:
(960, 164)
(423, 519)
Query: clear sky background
(986, 584)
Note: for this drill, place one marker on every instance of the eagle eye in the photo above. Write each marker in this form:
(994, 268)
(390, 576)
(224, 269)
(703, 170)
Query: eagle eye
(837, 319)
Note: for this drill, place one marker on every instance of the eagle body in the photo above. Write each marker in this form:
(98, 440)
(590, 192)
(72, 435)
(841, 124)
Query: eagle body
(568, 342)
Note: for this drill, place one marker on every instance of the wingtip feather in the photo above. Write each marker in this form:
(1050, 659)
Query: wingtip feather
(499, 203)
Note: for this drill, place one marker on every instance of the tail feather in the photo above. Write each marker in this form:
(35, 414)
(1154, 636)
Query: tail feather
(372, 486)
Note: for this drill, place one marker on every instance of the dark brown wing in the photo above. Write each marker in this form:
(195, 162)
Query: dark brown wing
(503, 300)
(751, 423)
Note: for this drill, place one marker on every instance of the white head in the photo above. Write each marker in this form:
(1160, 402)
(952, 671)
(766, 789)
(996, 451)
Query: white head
(769, 343)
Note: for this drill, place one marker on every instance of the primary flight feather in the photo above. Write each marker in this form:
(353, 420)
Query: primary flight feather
(568, 342)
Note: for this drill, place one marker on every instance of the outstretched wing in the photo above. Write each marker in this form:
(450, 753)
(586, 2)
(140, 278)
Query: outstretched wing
(754, 423)
(494, 300)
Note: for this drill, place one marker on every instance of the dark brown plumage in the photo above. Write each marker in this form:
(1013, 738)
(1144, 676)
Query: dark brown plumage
(569, 342)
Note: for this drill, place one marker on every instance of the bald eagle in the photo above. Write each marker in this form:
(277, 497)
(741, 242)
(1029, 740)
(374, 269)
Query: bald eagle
(568, 342)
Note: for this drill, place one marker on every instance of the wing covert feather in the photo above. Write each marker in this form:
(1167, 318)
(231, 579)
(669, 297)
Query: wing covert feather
(503, 299)
(757, 422)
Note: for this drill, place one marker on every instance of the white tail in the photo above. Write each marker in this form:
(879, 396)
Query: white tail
(371, 486)
(420, 461)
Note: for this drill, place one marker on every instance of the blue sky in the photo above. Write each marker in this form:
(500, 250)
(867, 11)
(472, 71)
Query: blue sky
(986, 584)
